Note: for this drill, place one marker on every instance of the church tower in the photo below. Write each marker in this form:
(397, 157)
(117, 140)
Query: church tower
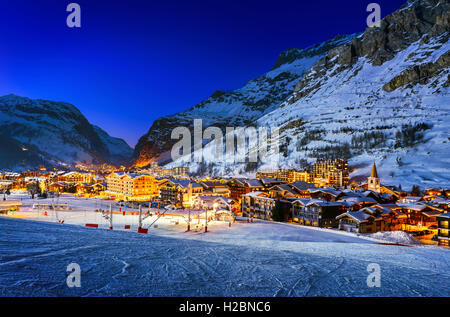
(373, 182)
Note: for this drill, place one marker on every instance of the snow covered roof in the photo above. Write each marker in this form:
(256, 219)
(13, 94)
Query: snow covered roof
(238, 180)
(184, 183)
(301, 201)
(412, 198)
(431, 213)
(284, 187)
(270, 180)
(257, 194)
(324, 203)
(330, 191)
(210, 198)
(359, 216)
(413, 206)
(253, 183)
(209, 184)
(358, 199)
(301, 185)
(440, 201)
(370, 210)
(446, 215)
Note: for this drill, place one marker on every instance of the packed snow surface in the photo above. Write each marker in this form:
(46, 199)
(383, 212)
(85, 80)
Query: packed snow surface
(246, 259)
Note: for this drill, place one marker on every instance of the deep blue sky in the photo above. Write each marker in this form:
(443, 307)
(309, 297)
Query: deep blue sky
(133, 61)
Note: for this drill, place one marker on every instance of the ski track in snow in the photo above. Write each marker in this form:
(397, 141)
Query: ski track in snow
(258, 259)
(248, 259)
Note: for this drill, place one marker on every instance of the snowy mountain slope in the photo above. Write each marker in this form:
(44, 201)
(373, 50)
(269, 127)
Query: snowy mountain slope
(119, 150)
(239, 107)
(387, 102)
(52, 133)
(384, 96)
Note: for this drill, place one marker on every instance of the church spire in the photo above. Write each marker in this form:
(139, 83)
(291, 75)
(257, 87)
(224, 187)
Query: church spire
(374, 172)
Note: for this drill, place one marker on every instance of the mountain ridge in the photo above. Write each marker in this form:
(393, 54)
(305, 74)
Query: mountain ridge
(382, 96)
(237, 107)
(54, 133)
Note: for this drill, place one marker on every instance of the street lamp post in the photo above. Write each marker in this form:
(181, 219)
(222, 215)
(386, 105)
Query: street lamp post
(206, 220)
(110, 217)
(189, 220)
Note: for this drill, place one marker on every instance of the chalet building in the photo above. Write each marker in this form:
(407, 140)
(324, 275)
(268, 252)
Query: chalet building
(283, 191)
(392, 190)
(378, 217)
(237, 188)
(59, 187)
(92, 189)
(241, 186)
(215, 188)
(382, 198)
(329, 194)
(430, 198)
(441, 203)
(433, 192)
(419, 214)
(316, 212)
(180, 192)
(356, 221)
(302, 188)
(258, 205)
(270, 182)
(132, 186)
(76, 177)
(410, 199)
(354, 203)
(443, 229)
(290, 191)
(213, 203)
(385, 218)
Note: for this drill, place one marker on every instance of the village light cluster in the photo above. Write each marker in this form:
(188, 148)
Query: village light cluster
(320, 197)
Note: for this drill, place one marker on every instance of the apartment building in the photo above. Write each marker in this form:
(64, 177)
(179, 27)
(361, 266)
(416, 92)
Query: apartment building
(331, 172)
(132, 186)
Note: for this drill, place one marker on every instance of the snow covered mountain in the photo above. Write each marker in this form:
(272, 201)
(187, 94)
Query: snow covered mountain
(42, 132)
(240, 107)
(384, 96)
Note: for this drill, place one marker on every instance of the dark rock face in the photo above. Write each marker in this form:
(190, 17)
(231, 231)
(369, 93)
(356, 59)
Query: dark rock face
(240, 107)
(421, 74)
(416, 20)
(53, 133)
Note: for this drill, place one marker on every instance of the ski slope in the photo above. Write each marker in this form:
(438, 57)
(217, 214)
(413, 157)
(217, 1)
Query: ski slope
(248, 259)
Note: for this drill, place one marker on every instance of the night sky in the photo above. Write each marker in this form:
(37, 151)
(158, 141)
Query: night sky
(134, 61)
